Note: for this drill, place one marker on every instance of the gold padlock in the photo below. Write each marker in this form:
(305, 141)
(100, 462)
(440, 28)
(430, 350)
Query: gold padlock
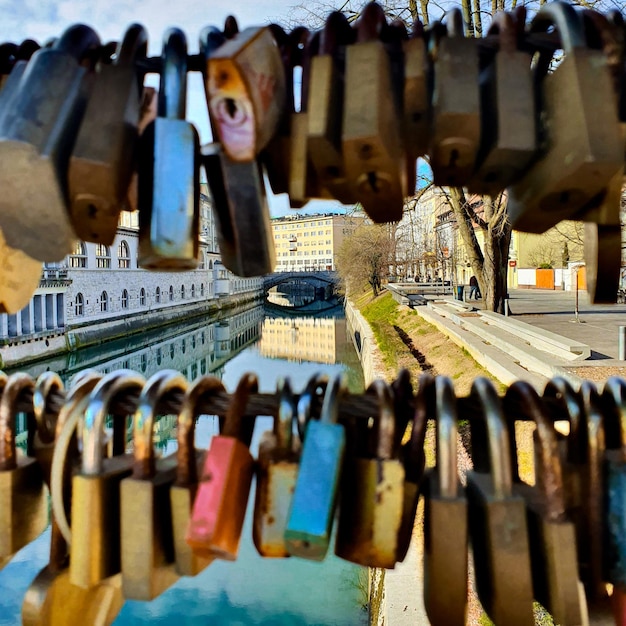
(371, 142)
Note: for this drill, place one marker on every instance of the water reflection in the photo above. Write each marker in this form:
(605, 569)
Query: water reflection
(252, 590)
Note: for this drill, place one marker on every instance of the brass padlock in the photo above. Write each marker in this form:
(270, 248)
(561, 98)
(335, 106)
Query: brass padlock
(370, 512)
(325, 107)
(246, 92)
(277, 470)
(36, 134)
(95, 544)
(508, 139)
(102, 160)
(183, 491)
(23, 496)
(445, 520)
(455, 130)
(583, 148)
(146, 517)
(551, 534)
(51, 598)
(497, 517)
(224, 487)
(371, 142)
(169, 171)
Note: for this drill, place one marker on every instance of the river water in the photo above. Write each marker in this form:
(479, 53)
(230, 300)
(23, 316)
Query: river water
(251, 590)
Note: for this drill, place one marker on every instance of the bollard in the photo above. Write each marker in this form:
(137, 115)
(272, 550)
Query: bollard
(506, 307)
(621, 344)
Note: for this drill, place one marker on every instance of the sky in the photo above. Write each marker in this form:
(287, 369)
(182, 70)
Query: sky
(44, 19)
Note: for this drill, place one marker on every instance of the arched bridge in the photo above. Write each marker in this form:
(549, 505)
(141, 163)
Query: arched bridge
(317, 279)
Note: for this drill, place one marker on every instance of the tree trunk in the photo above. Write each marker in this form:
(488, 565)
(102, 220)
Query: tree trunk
(493, 277)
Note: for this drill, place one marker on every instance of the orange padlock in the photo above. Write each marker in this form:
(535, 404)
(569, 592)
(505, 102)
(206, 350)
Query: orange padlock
(223, 489)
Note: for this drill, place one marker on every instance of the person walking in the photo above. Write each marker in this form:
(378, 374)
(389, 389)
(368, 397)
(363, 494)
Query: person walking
(474, 290)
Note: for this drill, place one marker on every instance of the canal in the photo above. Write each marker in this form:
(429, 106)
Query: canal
(251, 590)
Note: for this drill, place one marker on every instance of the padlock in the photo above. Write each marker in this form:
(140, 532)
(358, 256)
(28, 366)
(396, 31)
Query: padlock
(325, 107)
(416, 104)
(311, 397)
(508, 137)
(183, 491)
(552, 535)
(51, 598)
(224, 486)
(497, 518)
(617, 63)
(239, 201)
(37, 132)
(146, 516)
(246, 92)
(312, 512)
(455, 129)
(23, 494)
(277, 470)
(371, 507)
(371, 143)
(415, 461)
(583, 149)
(169, 171)
(445, 520)
(102, 160)
(95, 546)
(614, 414)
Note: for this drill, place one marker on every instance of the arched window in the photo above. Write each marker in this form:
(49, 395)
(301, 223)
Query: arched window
(78, 258)
(201, 289)
(171, 293)
(104, 302)
(157, 295)
(193, 291)
(142, 297)
(124, 299)
(123, 255)
(79, 305)
(201, 261)
(103, 256)
(210, 264)
(182, 292)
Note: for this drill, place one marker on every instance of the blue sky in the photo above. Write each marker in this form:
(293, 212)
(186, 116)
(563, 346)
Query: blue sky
(43, 19)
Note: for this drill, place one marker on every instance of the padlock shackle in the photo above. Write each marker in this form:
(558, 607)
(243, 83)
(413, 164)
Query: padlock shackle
(231, 27)
(211, 38)
(47, 384)
(133, 46)
(385, 421)
(487, 399)
(523, 395)
(614, 411)
(454, 23)
(305, 401)
(186, 470)
(77, 41)
(561, 392)
(113, 384)
(173, 83)
(283, 422)
(403, 404)
(26, 49)
(161, 386)
(562, 16)
(330, 406)
(234, 425)
(8, 56)
(335, 33)
(371, 23)
(14, 387)
(505, 27)
(413, 453)
(447, 433)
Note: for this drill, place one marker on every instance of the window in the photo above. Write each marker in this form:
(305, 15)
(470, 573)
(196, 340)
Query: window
(78, 258)
(124, 299)
(142, 297)
(210, 264)
(202, 289)
(201, 261)
(182, 292)
(79, 305)
(103, 256)
(159, 356)
(193, 291)
(123, 255)
(104, 302)
(157, 295)
(171, 293)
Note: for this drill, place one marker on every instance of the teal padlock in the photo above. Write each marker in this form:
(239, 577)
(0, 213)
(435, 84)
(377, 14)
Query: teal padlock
(310, 522)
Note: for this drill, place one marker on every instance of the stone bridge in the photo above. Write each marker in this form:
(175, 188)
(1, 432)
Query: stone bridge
(316, 279)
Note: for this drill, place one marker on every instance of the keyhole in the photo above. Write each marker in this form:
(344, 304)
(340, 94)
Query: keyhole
(372, 179)
(454, 157)
(231, 107)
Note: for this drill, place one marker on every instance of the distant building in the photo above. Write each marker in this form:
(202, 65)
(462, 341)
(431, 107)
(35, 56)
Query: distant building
(310, 242)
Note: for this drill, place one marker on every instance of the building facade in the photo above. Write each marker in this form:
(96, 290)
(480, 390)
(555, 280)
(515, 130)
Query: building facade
(309, 243)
